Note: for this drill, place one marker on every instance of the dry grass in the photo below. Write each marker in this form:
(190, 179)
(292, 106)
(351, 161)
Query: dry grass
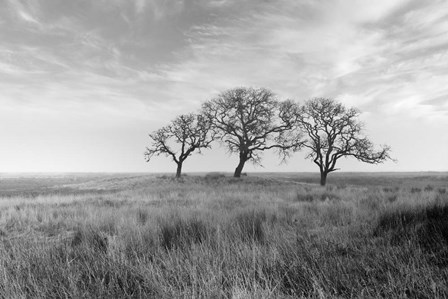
(217, 237)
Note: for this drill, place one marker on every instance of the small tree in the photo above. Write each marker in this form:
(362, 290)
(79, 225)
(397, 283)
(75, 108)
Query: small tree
(180, 139)
(333, 132)
(249, 121)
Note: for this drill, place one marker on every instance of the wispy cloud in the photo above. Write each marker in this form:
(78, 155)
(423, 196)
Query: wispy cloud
(335, 49)
(147, 60)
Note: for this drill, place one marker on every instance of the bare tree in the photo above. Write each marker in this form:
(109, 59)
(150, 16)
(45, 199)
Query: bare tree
(333, 132)
(180, 139)
(249, 121)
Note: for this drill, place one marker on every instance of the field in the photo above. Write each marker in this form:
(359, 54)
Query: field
(365, 235)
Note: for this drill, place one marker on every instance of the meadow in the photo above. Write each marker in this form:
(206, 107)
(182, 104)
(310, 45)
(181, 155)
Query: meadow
(266, 235)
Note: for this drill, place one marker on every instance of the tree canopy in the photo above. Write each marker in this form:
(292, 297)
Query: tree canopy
(249, 121)
(334, 131)
(178, 140)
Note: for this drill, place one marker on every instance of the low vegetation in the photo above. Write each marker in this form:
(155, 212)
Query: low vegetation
(215, 236)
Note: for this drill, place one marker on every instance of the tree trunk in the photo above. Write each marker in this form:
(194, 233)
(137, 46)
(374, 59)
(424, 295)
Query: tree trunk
(323, 178)
(239, 168)
(179, 170)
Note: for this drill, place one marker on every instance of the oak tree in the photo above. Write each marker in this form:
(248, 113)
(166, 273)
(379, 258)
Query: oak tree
(178, 140)
(334, 131)
(249, 121)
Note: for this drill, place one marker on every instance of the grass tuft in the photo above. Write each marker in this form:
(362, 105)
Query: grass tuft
(427, 226)
(88, 237)
(250, 225)
(304, 197)
(179, 233)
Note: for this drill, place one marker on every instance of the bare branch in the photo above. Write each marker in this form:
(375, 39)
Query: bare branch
(184, 135)
(249, 121)
(334, 132)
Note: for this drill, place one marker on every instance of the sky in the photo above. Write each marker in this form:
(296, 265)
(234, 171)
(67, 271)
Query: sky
(83, 82)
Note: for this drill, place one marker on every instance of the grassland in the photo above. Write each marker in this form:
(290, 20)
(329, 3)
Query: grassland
(212, 236)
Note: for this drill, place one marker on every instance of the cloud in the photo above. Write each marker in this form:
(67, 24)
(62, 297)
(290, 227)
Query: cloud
(333, 49)
(127, 62)
(300, 48)
(23, 12)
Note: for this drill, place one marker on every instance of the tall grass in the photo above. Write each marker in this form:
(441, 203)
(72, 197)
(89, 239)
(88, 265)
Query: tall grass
(216, 237)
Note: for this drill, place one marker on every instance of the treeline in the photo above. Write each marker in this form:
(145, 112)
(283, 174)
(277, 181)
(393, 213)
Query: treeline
(248, 121)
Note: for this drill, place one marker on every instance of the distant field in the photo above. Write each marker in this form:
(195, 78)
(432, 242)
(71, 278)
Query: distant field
(35, 184)
(398, 179)
(267, 235)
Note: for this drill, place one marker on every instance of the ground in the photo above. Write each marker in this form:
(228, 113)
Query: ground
(266, 235)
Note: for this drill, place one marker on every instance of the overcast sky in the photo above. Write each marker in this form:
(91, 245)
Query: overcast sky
(82, 83)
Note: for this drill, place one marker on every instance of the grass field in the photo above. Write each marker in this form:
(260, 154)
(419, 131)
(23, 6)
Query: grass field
(267, 235)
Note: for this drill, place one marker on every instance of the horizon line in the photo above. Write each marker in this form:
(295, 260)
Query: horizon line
(206, 172)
